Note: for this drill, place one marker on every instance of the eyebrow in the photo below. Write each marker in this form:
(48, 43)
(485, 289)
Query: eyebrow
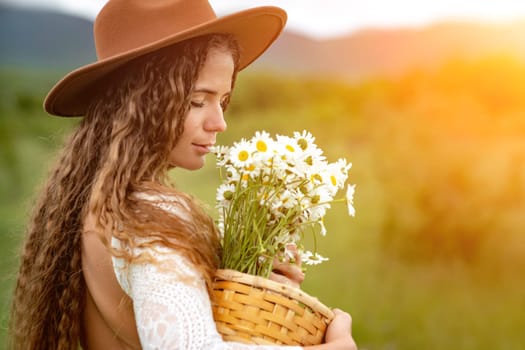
(209, 91)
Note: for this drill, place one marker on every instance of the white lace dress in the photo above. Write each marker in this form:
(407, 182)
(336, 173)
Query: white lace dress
(171, 304)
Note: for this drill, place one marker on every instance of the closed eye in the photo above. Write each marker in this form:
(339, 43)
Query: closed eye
(197, 104)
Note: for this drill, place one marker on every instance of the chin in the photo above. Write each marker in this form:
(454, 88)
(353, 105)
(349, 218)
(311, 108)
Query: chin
(189, 163)
(195, 167)
(192, 166)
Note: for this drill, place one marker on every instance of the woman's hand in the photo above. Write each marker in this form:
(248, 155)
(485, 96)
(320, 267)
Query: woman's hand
(287, 269)
(339, 332)
(338, 335)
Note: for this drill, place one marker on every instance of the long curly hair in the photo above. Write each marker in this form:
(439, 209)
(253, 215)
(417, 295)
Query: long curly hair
(120, 148)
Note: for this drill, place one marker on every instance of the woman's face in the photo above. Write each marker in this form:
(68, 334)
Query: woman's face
(205, 117)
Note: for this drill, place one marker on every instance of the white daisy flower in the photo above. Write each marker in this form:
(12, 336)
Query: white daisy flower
(232, 175)
(316, 179)
(225, 193)
(288, 149)
(263, 144)
(335, 175)
(350, 190)
(241, 154)
(310, 258)
(221, 152)
(279, 168)
(322, 227)
(287, 198)
(253, 170)
(317, 212)
(311, 154)
(305, 140)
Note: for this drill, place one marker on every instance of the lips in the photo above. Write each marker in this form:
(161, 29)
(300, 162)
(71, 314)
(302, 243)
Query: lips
(203, 148)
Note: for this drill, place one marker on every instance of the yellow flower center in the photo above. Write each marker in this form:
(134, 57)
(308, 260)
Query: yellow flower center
(303, 144)
(317, 177)
(333, 179)
(243, 156)
(261, 146)
(290, 148)
(303, 190)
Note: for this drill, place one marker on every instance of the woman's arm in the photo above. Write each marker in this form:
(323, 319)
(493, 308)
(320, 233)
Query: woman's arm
(172, 306)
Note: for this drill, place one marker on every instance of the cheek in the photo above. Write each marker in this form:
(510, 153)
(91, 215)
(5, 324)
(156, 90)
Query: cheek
(181, 146)
(185, 132)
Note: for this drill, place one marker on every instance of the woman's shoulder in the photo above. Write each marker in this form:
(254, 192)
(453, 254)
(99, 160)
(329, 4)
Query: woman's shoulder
(174, 203)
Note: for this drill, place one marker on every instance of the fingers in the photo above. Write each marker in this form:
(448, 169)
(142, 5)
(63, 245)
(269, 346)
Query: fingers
(286, 268)
(342, 330)
(289, 271)
(283, 279)
(340, 327)
(291, 249)
(343, 317)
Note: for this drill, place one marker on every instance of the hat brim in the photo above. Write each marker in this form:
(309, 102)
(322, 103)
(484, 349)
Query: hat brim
(255, 30)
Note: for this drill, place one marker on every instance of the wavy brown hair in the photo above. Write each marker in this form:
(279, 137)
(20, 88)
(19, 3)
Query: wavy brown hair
(120, 148)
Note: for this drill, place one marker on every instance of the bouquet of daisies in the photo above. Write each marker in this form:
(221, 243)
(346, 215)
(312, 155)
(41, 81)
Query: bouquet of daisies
(274, 190)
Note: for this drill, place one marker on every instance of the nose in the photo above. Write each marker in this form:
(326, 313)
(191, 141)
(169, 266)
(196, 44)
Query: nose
(215, 120)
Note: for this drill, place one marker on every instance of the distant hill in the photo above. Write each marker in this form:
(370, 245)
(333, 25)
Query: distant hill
(44, 40)
(392, 52)
(47, 40)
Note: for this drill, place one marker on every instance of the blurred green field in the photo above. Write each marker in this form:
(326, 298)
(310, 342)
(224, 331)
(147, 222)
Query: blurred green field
(435, 255)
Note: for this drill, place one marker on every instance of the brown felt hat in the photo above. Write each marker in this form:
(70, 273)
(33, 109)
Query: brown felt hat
(127, 29)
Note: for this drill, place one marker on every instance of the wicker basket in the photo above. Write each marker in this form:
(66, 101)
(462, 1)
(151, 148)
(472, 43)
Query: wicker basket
(254, 310)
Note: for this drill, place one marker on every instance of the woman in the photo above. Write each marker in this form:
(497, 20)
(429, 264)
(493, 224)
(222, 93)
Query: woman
(116, 257)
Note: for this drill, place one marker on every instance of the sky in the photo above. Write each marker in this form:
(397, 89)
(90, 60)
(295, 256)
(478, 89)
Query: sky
(329, 18)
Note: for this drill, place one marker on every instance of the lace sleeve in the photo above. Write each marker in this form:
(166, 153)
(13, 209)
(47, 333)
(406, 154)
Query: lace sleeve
(172, 306)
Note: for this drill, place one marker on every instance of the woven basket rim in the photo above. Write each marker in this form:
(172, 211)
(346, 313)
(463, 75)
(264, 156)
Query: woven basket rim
(277, 287)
